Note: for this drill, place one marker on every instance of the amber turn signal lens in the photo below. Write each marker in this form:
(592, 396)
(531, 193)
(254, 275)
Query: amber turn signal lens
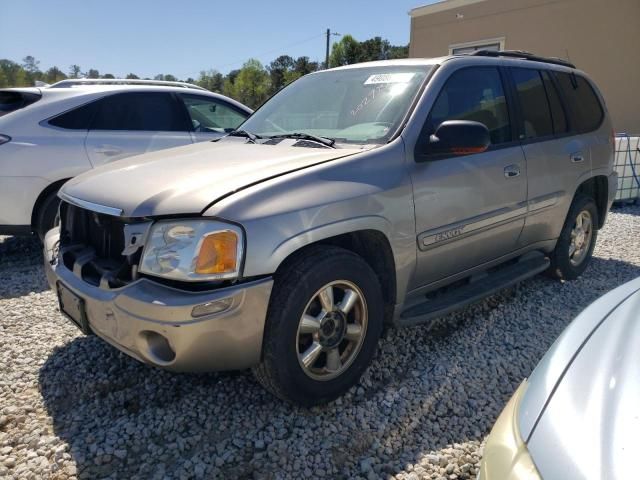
(218, 254)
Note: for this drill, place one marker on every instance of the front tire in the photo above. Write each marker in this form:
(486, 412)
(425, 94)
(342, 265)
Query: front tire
(323, 324)
(46, 215)
(577, 240)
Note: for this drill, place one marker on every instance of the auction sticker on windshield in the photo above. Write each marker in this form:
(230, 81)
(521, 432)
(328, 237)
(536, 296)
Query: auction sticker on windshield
(389, 78)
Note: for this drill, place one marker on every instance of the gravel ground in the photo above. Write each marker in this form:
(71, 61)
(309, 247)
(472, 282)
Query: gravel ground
(72, 406)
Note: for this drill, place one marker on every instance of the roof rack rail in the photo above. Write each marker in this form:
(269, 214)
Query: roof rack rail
(70, 82)
(523, 55)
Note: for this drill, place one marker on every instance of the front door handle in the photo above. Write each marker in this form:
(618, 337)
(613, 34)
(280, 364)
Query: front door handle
(511, 171)
(577, 157)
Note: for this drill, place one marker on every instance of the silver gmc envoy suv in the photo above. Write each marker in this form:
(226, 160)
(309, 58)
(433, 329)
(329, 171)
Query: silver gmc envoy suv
(388, 192)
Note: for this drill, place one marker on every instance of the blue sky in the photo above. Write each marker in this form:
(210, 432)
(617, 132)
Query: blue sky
(183, 37)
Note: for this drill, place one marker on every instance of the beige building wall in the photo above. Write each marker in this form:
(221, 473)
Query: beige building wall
(601, 37)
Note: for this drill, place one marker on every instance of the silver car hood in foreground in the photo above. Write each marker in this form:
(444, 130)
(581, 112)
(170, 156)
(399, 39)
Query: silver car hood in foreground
(187, 179)
(590, 425)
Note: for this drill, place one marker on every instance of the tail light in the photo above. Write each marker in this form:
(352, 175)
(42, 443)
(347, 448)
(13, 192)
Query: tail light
(4, 139)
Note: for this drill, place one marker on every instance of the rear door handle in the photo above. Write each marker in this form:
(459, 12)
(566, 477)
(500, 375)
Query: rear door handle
(577, 157)
(511, 171)
(107, 150)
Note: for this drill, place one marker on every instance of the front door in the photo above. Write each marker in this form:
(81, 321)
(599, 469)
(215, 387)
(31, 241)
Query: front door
(469, 209)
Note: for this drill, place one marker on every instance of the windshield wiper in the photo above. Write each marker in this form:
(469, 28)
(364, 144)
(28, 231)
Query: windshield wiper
(307, 136)
(243, 133)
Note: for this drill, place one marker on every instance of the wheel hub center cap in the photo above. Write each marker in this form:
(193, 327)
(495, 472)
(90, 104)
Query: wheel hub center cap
(332, 329)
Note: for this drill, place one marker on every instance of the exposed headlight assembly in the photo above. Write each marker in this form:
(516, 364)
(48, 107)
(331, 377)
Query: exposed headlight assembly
(193, 250)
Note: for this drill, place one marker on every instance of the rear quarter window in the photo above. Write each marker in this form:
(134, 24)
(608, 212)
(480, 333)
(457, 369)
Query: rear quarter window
(76, 119)
(586, 113)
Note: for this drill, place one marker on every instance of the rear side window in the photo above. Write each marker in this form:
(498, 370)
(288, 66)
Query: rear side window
(558, 115)
(536, 114)
(477, 94)
(76, 119)
(12, 101)
(152, 111)
(584, 106)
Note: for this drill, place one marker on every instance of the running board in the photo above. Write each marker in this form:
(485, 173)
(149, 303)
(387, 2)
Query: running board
(474, 291)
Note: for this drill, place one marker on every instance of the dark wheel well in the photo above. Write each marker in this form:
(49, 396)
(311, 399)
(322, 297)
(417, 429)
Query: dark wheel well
(54, 187)
(598, 189)
(373, 246)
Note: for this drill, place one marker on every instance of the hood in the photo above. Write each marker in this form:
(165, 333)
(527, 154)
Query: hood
(187, 179)
(589, 427)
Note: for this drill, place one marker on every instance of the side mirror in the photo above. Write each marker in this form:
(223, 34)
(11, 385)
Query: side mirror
(456, 137)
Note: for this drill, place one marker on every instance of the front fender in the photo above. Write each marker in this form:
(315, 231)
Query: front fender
(368, 191)
(316, 234)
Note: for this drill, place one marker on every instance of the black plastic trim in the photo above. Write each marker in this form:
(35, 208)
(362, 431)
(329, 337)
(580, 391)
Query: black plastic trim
(17, 230)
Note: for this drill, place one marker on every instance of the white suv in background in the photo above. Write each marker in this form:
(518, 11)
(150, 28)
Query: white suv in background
(51, 134)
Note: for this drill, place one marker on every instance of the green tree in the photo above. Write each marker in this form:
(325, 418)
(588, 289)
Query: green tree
(14, 74)
(291, 76)
(278, 70)
(108, 75)
(53, 75)
(74, 71)
(345, 52)
(401, 51)
(93, 73)
(32, 69)
(303, 65)
(251, 86)
(211, 80)
(348, 50)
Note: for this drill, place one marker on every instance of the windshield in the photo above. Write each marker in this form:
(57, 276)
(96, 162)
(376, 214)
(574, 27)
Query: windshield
(354, 105)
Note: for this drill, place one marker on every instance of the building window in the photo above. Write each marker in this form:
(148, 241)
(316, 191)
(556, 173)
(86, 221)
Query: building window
(470, 47)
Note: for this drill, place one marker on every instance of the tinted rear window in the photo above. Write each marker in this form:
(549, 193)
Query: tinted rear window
(557, 110)
(584, 106)
(12, 101)
(76, 119)
(151, 111)
(536, 115)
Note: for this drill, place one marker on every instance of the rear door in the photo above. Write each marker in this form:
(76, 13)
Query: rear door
(558, 155)
(469, 209)
(126, 124)
(211, 117)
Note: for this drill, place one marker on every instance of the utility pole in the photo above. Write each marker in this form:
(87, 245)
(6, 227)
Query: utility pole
(326, 61)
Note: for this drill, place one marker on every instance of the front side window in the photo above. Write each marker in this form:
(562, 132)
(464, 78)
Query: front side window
(476, 94)
(353, 105)
(152, 111)
(585, 108)
(536, 114)
(211, 115)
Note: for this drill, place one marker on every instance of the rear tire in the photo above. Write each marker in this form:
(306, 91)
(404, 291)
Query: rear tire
(46, 215)
(577, 240)
(313, 353)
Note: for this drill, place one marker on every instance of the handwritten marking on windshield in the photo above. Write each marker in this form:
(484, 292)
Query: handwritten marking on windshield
(367, 99)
